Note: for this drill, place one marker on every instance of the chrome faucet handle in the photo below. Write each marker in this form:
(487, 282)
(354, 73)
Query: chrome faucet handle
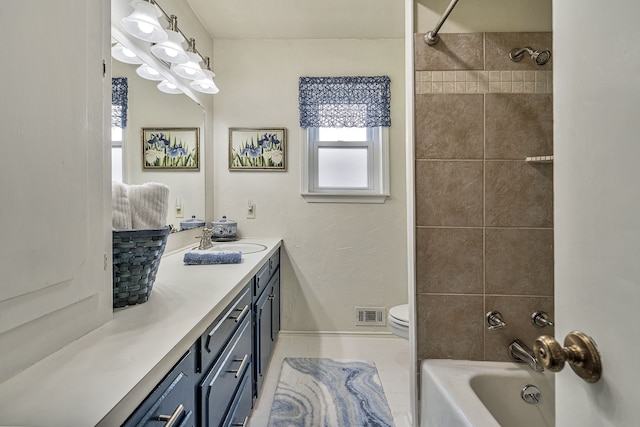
(205, 239)
(540, 319)
(494, 321)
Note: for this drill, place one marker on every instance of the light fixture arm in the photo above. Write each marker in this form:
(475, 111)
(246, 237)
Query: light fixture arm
(173, 22)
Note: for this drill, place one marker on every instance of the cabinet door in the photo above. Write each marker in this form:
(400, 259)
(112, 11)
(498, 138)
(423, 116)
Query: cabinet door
(275, 307)
(263, 338)
(220, 384)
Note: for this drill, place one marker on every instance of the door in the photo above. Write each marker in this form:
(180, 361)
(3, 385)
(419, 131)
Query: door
(597, 204)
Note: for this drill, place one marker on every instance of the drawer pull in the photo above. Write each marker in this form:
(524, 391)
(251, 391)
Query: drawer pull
(244, 423)
(171, 419)
(244, 361)
(240, 316)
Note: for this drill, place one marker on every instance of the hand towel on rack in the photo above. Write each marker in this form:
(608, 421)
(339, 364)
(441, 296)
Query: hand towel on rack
(212, 257)
(149, 205)
(120, 207)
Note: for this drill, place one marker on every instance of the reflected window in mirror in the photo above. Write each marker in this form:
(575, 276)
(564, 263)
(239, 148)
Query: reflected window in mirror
(116, 155)
(119, 102)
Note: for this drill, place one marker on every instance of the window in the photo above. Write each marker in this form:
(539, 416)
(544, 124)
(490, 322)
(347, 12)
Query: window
(346, 154)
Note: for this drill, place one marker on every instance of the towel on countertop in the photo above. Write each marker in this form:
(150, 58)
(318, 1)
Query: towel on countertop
(215, 257)
(120, 207)
(149, 205)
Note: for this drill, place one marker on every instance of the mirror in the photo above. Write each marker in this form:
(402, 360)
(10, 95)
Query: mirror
(150, 108)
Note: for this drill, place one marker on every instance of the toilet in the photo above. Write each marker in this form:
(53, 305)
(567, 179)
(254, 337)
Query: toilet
(398, 320)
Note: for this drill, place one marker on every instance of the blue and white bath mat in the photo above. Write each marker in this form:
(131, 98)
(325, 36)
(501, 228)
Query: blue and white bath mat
(329, 393)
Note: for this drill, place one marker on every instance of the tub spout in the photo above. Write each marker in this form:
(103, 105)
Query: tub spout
(520, 352)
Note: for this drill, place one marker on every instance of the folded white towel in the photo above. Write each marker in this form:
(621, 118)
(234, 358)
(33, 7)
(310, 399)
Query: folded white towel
(120, 207)
(149, 205)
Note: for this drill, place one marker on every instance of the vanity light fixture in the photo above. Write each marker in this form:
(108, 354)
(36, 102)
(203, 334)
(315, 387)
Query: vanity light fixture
(167, 87)
(124, 54)
(190, 70)
(167, 47)
(206, 85)
(171, 50)
(143, 22)
(148, 72)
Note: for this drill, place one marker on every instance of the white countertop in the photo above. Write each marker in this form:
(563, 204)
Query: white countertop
(100, 378)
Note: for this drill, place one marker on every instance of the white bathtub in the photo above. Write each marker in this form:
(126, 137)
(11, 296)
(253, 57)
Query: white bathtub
(460, 393)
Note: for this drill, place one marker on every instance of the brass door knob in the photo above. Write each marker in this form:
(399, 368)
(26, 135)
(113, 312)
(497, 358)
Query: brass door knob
(579, 350)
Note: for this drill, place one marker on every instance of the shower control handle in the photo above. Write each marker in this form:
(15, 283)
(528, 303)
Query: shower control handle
(494, 321)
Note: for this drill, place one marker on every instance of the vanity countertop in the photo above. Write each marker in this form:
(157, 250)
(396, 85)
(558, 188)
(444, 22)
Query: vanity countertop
(100, 378)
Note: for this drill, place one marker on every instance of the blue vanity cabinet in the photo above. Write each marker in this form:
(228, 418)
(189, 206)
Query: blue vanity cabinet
(172, 402)
(266, 309)
(238, 415)
(219, 390)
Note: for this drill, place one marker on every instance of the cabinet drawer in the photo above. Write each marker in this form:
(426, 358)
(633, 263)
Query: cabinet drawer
(219, 333)
(274, 262)
(173, 399)
(217, 389)
(239, 413)
(262, 278)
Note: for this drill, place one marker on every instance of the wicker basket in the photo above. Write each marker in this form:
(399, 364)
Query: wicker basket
(136, 257)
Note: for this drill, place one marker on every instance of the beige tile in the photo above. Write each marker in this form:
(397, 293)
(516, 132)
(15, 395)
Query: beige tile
(483, 76)
(516, 312)
(505, 76)
(518, 194)
(436, 87)
(529, 76)
(450, 326)
(505, 87)
(519, 261)
(440, 134)
(449, 193)
(449, 260)
(461, 87)
(448, 76)
(436, 76)
(498, 46)
(517, 87)
(517, 76)
(461, 76)
(529, 87)
(472, 76)
(463, 51)
(483, 87)
(471, 87)
(448, 87)
(518, 126)
(495, 76)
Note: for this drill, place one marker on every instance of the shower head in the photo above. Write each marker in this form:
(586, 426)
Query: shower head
(540, 57)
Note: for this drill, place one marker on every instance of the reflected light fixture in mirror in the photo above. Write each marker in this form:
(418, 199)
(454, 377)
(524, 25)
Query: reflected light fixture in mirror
(206, 85)
(143, 22)
(124, 54)
(190, 70)
(167, 87)
(148, 72)
(171, 50)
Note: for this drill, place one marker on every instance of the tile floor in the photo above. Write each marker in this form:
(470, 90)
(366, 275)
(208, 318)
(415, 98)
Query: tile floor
(390, 355)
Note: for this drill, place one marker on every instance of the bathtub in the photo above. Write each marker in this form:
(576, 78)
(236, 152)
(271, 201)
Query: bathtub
(461, 393)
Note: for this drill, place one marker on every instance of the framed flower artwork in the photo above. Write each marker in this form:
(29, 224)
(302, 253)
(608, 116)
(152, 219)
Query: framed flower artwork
(171, 148)
(257, 149)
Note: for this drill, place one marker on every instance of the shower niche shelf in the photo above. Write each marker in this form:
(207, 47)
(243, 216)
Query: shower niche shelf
(540, 159)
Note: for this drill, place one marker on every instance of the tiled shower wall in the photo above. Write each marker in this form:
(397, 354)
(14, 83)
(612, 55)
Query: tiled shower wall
(484, 215)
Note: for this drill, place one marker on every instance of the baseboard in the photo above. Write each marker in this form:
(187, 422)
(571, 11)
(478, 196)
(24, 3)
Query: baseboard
(380, 334)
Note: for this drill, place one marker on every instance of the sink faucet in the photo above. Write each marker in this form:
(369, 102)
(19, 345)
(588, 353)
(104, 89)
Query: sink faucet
(520, 352)
(205, 239)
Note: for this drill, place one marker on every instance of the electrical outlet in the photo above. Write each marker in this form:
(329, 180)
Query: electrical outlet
(251, 211)
(180, 211)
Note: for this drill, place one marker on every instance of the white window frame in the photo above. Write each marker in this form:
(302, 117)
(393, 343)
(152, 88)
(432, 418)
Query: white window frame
(377, 191)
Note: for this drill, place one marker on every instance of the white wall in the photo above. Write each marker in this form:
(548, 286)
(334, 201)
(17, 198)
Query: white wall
(597, 201)
(337, 256)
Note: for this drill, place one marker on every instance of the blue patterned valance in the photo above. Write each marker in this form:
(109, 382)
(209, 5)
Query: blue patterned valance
(119, 92)
(344, 101)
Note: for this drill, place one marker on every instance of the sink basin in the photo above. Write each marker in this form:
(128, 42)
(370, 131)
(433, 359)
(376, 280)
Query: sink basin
(244, 247)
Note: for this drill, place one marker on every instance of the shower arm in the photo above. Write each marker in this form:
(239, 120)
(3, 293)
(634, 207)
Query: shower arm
(432, 37)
